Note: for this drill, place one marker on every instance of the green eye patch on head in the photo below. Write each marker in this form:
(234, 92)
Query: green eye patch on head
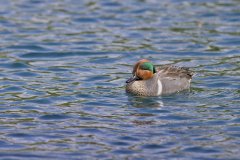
(148, 66)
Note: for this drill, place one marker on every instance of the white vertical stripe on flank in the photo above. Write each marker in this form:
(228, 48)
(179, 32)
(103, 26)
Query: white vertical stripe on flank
(159, 87)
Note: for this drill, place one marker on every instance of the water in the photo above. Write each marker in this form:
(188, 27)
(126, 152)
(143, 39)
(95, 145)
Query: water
(63, 67)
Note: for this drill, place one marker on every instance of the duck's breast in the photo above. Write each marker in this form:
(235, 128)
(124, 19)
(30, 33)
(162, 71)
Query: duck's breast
(145, 87)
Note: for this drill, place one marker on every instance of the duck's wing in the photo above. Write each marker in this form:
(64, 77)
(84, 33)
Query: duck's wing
(174, 78)
(175, 72)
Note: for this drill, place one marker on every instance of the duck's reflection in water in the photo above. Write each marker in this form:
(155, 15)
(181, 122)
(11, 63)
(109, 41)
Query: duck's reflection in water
(143, 110)
(145, 102)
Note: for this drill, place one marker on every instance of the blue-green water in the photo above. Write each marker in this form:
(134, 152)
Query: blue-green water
(63, 67)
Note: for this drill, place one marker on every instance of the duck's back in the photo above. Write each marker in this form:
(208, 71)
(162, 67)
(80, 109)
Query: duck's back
(174, 79)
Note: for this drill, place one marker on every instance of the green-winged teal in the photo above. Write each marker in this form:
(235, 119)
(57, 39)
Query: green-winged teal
(150, 81)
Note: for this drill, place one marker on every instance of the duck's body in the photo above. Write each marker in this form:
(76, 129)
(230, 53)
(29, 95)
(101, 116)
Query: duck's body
(163, 80)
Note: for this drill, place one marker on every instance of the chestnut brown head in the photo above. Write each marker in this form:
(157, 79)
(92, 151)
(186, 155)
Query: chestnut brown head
(142, 70)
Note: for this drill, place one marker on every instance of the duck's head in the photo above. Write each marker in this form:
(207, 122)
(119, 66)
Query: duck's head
(142, 70)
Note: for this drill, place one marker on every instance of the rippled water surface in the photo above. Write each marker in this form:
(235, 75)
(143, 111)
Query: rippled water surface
(63, 67)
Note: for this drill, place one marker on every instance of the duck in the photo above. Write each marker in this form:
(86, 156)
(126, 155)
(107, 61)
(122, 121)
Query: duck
(148, 80)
